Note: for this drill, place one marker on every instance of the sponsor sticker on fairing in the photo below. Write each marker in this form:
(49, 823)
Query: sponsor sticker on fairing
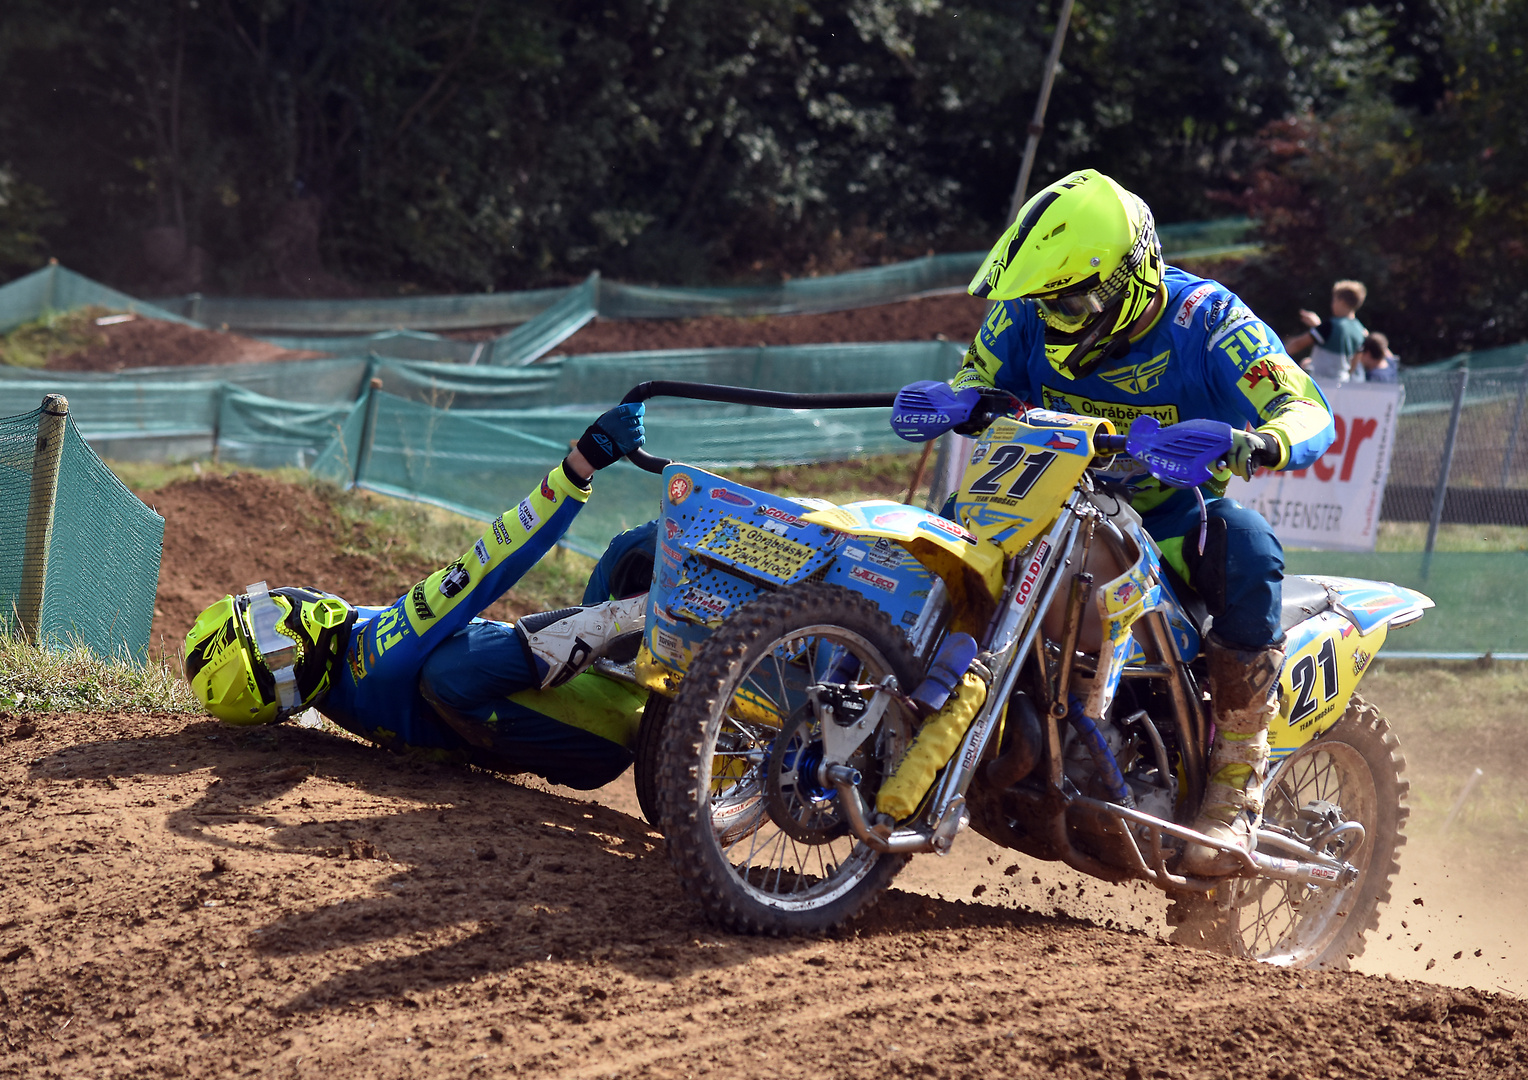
(703, 603)
(854, 554)
(679, 487)
(1031, 575)
(667, 645)
(528, 518)
(730, 497)
(885, 555)
(780, 515)
(874, 580)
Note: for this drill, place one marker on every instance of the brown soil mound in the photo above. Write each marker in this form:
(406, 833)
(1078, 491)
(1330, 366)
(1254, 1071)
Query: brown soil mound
(186, 899)
(155, 343)
(954, 318)
(224, 532)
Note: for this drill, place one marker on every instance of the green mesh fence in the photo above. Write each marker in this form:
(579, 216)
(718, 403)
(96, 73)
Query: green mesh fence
(931, 274)
(55, 289)
(102, 569)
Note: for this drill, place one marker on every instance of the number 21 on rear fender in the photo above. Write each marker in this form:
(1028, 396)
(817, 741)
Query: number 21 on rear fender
(1325, 657)
(1021, 473)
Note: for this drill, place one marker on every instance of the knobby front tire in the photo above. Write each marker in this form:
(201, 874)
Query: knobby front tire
(756, 845)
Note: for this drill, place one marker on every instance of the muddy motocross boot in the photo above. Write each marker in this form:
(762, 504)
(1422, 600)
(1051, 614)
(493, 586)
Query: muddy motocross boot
(570, 639)
(1244, 694)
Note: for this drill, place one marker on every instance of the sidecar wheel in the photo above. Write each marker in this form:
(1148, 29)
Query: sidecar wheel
(1357, 765)
(720, 792)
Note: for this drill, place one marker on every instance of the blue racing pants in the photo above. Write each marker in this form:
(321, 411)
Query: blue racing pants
(1239, 576)
(468, 679)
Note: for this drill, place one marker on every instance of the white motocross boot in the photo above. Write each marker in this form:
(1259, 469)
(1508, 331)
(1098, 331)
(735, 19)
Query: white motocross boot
(571, 639)
(1244, 695)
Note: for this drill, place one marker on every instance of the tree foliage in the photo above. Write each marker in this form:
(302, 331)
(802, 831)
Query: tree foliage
(292, 145)
(1426, 201)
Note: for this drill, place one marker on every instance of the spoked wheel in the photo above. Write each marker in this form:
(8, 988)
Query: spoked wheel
(1350, 773)
(759, 839)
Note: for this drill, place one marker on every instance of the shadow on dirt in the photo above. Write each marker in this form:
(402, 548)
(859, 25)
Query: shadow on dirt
(422, 876)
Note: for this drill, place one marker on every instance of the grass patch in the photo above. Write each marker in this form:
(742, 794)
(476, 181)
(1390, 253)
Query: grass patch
(74, 679)
(55, 333)
(1412, 536)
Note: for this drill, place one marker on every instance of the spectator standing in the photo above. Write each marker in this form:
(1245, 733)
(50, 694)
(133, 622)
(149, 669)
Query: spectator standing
(1377, 364)
(1334, 342)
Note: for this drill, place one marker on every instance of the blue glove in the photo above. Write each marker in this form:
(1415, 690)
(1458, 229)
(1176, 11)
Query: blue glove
(614, 435)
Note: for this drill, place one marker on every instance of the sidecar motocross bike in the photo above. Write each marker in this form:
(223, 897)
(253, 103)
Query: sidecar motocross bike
(785, 638)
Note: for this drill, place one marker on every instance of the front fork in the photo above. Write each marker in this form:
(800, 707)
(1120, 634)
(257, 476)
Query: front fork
(1032, 586)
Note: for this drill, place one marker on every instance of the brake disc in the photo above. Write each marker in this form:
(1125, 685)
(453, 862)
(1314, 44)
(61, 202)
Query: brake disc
(796, 801)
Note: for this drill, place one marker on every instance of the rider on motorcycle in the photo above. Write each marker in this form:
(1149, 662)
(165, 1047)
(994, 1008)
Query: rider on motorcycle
(423, 673)
(1087, 319)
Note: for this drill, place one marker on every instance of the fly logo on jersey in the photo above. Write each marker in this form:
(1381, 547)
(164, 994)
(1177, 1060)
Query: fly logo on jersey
(1141, 377)
(546, 490)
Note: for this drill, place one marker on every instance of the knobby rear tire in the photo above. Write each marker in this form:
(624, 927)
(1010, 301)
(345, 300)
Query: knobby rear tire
(644, 767)
(719, 668)
(1362, 734)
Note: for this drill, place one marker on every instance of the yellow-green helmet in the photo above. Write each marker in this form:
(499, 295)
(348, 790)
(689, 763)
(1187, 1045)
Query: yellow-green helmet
(261, 656)
(1086, 251)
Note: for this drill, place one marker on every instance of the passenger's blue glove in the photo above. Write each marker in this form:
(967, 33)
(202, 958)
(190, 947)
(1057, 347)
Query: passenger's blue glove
(614, 435)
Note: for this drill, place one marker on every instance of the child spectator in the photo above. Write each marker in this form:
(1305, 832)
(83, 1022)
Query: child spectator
(1335, 342)
(1378, 363)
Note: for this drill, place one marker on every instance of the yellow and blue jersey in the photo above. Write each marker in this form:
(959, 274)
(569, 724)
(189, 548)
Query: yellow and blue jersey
(1206, 357)
(376, 694)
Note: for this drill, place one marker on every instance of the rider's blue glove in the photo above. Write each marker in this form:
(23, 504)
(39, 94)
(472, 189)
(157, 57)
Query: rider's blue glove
(614, 435)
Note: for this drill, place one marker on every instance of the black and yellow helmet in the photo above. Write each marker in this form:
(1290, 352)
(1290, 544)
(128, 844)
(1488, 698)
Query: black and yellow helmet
(261, 656)
(1086, 251)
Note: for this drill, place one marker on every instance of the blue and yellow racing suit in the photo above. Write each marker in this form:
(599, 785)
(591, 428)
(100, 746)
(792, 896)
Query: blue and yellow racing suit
(1207, 356)
(425, 660)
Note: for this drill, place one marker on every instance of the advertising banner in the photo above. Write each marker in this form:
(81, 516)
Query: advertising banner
(1334, 504)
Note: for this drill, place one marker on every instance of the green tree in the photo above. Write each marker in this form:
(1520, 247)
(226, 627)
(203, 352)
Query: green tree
(1428, 206)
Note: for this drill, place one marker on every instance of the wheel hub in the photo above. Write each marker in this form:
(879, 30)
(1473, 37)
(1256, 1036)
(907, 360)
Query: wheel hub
(794, 796)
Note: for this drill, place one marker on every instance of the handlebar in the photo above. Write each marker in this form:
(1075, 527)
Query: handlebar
(1109, 444)
(741, 395)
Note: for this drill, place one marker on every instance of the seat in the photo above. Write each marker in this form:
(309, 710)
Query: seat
(1303, 597)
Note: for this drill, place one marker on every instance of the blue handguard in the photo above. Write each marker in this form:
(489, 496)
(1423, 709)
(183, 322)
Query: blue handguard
(926, 410)
(1181, 455)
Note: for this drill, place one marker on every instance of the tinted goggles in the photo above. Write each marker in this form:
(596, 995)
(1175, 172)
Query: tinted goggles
(1081, 304)
(278, 652)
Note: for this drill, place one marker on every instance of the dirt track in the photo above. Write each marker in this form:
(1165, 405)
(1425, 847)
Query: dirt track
(182, 898)
(188, 899)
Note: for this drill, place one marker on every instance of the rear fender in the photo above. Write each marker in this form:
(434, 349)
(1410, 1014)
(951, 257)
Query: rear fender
(1369, 604)
(1327, 655)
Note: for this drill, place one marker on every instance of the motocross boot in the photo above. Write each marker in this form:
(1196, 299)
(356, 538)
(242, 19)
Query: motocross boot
(570, 639)
(1244, 694)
